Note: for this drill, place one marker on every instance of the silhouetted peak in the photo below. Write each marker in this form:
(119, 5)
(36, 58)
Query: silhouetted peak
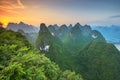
(70, 26)
(51, 28)
(23, 26)
(55, 25)
(76, 30)
(63, 26)
(11, 23)
(76, 27)
(21, 23)
(87, 27)
(77, 24)
(97, 35)
(42, 25)
(44, 29)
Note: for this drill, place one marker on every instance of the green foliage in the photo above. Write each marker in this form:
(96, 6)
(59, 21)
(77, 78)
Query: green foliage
(82, 50)
(66, 45)
(70, 76)
(10, 42)
(9, 37)
(93, 58)
(20, 62)
(32, 65)
(99, 61)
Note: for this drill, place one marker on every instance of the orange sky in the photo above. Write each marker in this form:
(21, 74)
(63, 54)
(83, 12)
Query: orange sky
(58, 12)
(16, 11)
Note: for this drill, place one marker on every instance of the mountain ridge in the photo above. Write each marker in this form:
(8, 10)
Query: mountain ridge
(22, 26)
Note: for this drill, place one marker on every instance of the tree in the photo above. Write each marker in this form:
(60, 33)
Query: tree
(10, 42)
(99, 61)
(20, 62)
(32, 65)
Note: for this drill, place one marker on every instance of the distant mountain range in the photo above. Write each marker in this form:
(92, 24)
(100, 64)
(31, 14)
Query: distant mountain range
(80, 49)
(22, 26)
(111, 34)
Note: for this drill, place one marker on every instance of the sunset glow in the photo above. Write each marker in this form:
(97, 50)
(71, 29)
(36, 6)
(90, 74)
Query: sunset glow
(60, 11)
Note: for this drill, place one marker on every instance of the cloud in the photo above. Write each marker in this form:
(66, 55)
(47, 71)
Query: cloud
(115, 16)
(8, 7)
(20, 4)
(11, 4)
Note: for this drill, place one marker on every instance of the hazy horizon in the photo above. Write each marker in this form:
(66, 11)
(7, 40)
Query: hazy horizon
(91, 12)
(5, 26)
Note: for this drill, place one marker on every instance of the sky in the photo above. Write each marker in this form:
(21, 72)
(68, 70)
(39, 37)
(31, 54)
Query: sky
(91, 12)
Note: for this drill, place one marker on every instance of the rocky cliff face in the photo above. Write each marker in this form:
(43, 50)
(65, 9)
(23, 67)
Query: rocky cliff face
(44, 39)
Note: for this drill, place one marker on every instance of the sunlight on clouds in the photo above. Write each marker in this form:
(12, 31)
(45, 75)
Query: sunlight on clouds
(9, 11)
(10, 4)
(9, 7)
(20, 4)
(57, 11)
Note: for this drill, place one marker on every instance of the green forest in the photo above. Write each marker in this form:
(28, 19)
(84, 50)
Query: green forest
(19, 60)
(74, 53)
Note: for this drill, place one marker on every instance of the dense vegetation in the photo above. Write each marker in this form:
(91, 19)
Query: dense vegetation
(80, 49)
(75, 49)
(19, 61)
(99, 61)
(66, 43)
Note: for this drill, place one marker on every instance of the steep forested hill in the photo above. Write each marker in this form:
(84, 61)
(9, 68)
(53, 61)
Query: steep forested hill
(81, 49)
(19, 61)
